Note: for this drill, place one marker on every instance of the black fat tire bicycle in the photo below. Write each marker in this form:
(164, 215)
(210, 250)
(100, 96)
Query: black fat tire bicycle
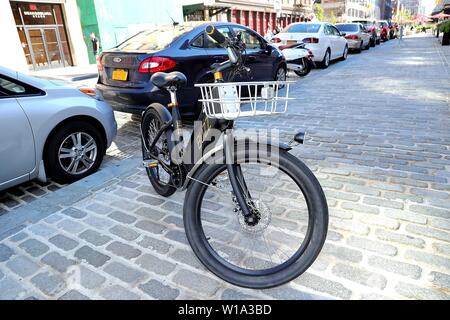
(254, 214)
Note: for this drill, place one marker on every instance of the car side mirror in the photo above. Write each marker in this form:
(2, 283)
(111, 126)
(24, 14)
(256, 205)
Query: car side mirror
(343, 34)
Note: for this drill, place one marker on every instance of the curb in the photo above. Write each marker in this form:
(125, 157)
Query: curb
(16, 220)
(84, 77)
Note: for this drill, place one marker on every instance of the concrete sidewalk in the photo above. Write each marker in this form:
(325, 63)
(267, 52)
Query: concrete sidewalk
(378, 140)
(70, 73)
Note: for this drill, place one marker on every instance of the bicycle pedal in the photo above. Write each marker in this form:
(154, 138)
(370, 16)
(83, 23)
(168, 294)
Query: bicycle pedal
(150, 163)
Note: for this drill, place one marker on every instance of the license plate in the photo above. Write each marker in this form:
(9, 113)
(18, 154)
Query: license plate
(120, 75)
(291, 42)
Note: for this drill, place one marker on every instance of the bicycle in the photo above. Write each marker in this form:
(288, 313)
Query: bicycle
(241, 193)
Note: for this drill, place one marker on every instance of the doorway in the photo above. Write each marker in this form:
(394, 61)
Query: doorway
(45, 47)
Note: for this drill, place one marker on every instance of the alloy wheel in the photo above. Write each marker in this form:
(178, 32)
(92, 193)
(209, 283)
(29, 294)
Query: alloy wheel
(78, 153)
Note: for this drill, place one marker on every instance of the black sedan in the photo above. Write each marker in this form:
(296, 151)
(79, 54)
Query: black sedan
(125, 70)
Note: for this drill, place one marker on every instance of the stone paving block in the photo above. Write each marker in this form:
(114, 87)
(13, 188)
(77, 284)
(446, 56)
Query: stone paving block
(360, 276)
(440, 280)
(287, 293)
(116, 292)
(155, 245)
(99, 208)
(75, 213)
(428, 232)
(58, 262)
(399, 238)
(99, 223)
(151, 227)
(5, 253)
(157, 290)
(373, 246)
(431, 211)
(125, 233)
(11, 289)
(90, 279)
(154, 264)
(230, 294)
(63, 242)
(95, 238)
(73, 295)
(123, 250)
(342, 253)
(124, 273)
(415, 292)
(22, 266)
(49, 284)
(194, 281)
(153, 201)
(71, 226)
(430, 259)
(122, 217)
(34, 247)
(150, 213)
(89, 255)
(42, 230)
(323, 285)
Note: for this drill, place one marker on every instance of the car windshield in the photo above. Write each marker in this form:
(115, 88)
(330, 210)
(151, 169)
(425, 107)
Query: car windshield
(347, 27)
(156, 39)
(303, 28)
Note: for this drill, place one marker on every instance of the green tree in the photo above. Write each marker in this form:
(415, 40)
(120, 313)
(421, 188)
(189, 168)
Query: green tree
(318, 12)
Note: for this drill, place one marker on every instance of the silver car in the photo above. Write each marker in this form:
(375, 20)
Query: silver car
(358, 38)
(49, 128)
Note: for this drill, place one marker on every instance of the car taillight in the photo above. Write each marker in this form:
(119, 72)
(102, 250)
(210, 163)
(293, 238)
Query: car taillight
(276, 40)
(99, 63)
(311, 40)
(156, 64)
(352, 37)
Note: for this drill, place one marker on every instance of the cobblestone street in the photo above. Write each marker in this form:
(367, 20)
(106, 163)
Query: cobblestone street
(378, 139)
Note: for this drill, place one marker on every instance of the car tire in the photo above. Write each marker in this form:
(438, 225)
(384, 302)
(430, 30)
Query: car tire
(373, 41)
(281, 74)
(74, 152)
(368, 46)
(344, 54)
(360, 49)
(378, 41)
(326, 59)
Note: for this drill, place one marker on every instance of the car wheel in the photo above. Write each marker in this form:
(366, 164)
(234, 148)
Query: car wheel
(345, 54)
(378, 41)
(281, 74)
(360, 49)
(326, 59)
(368, 46)
(75, 151)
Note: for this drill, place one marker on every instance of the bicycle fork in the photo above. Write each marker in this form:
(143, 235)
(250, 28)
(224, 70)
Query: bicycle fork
(236, 176)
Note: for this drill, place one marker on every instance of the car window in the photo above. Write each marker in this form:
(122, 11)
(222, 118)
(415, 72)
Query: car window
(303, 28)
(198, 42)
(347, 27)
(13, 88)
(327, 30)
(251, 40)
(335, 31)
(212, 44)
(155, 39)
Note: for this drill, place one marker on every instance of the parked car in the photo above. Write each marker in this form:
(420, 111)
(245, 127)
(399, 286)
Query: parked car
(323, 39)
(384, 29)
(125, 70)
(373, 30)
(358, 38)
(50, 129)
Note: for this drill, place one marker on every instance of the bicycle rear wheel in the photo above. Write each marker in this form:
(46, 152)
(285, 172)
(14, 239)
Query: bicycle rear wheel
(291, 213)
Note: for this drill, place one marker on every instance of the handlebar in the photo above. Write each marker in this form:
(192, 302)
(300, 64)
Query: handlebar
(234, 47)
(215, 34)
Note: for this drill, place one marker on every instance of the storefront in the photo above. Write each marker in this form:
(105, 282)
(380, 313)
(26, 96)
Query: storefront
(43, 35)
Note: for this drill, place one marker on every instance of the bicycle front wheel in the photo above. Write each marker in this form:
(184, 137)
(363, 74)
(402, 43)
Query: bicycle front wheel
(282, 239)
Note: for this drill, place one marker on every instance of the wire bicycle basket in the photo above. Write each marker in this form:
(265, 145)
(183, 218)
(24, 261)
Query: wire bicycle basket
(234, 100)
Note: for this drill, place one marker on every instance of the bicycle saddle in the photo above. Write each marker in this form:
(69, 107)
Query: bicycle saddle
(173, 80)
